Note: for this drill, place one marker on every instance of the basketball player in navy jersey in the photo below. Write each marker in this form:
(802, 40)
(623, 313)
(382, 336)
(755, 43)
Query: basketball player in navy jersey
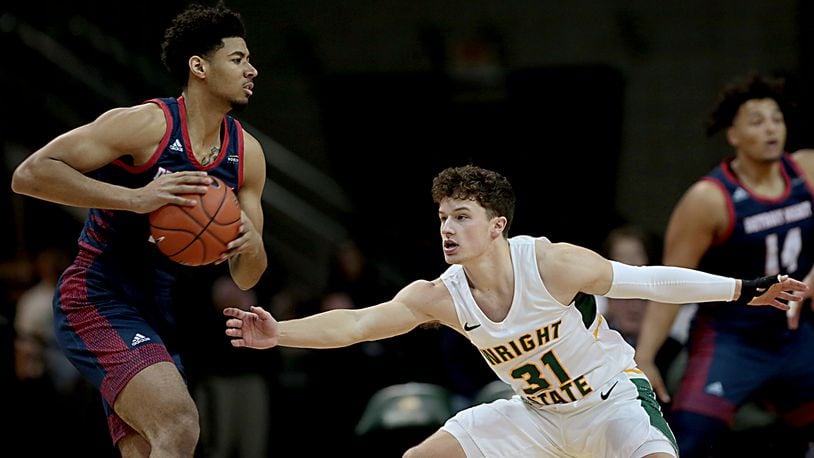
(112, 308)
(750, 216)
(527, 305)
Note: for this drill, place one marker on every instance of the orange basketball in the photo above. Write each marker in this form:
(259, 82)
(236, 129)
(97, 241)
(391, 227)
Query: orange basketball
(196, 236)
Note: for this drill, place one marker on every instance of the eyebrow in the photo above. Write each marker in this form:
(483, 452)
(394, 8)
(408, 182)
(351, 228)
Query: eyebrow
(457, 209)
(238, 53)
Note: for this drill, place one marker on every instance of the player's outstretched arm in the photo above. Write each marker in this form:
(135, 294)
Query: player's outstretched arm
(335, 328)
(680, 285)
(332, 329)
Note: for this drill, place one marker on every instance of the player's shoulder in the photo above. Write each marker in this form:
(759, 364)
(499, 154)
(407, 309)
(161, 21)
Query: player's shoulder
(705, 192)
(251, 143)
(132, 130)
(248, 136)
(254, 165)
(557, 256)
(138, 117)
(803, 153)
(559, 253)
(542, 243)
(430, 299)
(704, 207)
(537, 243)
(805, 158)
(426, 289)
(424, 293)
(142, 110)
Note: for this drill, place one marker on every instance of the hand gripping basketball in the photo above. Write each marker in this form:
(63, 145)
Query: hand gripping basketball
(198, 235)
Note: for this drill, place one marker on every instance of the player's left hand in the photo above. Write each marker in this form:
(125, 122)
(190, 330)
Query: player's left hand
(782, 290)
(248, 239)
(255, 328)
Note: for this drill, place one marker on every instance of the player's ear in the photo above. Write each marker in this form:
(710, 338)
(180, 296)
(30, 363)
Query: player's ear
(499, 224)
(197, 66)
(731, 137)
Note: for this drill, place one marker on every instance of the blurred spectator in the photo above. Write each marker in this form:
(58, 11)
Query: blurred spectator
(353, 281)
(628, 244)
(632, 245)
(15, 277)
(36, 352)
(356, 372)
(230, 428)
(232, 388)
(46, 380)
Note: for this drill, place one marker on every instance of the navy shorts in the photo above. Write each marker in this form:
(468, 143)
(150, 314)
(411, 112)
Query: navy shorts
(726, 370)
(104, 334)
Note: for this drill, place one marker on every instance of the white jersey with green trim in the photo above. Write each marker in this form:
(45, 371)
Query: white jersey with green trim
(548, 352)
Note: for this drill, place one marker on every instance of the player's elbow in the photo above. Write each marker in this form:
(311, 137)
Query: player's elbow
(250, 277)
(33, 176)
(23, 180)
(246, 283)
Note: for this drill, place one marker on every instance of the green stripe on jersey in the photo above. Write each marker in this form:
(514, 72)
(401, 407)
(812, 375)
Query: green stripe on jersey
(653, 409)
(586, 304)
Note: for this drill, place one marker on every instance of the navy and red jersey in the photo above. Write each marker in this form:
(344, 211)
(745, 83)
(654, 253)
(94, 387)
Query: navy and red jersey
(113, 308)
(118, 241)
(764, 237)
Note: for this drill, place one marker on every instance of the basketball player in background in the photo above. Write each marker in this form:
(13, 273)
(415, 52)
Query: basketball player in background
(112, 306)
(750, 216)
(527, 304)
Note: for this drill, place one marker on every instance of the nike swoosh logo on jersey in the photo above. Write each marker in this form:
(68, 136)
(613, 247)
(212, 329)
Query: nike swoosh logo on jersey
(468, 327)
(607, 393)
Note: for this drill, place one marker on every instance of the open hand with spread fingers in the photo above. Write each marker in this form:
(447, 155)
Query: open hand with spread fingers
(253, 329)
(771, 290)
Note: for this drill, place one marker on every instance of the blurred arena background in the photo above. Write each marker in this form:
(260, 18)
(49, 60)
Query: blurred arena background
(360, 103)
(594, 109)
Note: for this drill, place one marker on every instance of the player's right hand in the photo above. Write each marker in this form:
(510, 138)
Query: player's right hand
(169, 189)
(253, 329)
(801, 298)
(652, 372)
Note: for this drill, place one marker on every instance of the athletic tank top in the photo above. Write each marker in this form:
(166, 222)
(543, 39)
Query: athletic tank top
(115, 243)
(548, 352)
(765, 237)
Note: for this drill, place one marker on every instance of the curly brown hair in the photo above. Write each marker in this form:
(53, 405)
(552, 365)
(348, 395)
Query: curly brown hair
(734, 95)
(198, 30)
(488, 188)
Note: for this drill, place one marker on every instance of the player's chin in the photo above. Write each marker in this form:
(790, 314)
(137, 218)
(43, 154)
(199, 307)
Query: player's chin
(240, 104)
(772, 154)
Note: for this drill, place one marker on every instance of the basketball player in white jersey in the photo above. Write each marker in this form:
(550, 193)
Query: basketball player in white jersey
(526, 303)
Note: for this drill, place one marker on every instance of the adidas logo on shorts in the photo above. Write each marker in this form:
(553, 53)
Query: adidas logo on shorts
(715, 389)
(138, 339)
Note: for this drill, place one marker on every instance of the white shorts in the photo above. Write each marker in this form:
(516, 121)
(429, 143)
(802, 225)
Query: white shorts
(628, 423)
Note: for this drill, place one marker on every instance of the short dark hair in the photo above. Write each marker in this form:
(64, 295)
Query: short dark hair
(198, 30)
(488, 188)
(733, 95)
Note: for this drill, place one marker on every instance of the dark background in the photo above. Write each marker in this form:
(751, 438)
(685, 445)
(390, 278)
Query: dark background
(369, 100)
(593, 109)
